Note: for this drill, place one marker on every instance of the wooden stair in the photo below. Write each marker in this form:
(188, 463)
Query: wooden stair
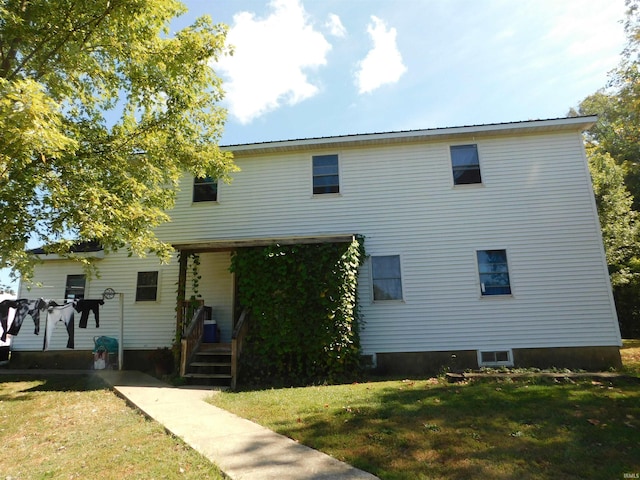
(211, 365)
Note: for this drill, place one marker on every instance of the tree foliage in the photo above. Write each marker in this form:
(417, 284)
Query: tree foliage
(613, 148)
(304, 325)
(101, 112)
(619, 222)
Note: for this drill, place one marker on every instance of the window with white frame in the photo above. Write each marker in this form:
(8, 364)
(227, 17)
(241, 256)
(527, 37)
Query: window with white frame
(465, 164)
(494, 272)
(387, 278)
(147, 287)
(495, 358)
(74, 288)
(205, 189)
(326, 177)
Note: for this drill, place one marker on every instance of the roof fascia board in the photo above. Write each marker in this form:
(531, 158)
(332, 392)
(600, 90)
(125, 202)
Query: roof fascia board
(570, 123)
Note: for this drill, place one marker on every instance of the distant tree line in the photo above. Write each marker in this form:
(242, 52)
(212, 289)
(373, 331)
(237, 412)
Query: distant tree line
(613, 150)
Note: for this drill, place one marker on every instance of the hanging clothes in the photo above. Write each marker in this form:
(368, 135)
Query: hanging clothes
(59, 313)
(84, 306)
(5, 305)
(34, 308)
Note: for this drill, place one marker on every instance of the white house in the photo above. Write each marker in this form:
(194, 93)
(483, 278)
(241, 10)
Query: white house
(483, 246)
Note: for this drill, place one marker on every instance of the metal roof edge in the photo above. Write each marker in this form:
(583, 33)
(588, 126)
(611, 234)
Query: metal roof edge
(579, 123)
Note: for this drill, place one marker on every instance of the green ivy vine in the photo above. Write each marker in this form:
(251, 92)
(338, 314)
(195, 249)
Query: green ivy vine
(305, 321)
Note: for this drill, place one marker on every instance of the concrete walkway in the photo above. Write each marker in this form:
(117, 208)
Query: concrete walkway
(242, 449)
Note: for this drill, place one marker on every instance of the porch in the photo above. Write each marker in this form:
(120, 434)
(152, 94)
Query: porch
(201, 361)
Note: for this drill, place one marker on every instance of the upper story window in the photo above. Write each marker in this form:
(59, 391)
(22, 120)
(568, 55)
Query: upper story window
(494, 272)
(205, 189)
(74, 288)
(147, 286)
(387, 278)
(465, 164)
(326, 178)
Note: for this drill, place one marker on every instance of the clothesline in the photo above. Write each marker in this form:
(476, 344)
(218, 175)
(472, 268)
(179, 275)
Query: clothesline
(52, 311)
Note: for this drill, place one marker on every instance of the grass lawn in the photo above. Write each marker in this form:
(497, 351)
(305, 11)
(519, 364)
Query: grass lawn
(73, 427)
(429, 429)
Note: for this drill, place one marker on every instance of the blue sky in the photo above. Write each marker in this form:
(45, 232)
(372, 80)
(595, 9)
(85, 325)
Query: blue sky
(310, 68)
(306, 68)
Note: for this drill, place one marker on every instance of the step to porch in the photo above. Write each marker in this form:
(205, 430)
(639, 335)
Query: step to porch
(211, 365)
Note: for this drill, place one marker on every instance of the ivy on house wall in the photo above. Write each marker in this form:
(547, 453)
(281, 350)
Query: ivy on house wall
(304, 315)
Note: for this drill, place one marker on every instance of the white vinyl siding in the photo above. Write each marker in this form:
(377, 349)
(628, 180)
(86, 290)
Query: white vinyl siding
(536, 199)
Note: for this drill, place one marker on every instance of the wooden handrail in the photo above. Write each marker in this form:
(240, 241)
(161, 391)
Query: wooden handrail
(191, 339)
(183, 308)
(237, 341)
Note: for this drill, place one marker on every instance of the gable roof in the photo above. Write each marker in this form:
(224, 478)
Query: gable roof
(575, 124)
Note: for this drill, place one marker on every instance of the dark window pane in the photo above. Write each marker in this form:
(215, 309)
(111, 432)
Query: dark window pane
(502, 356)
(494, 272)
(325, 174)
(147, 288)
(75, 286)
(205, 189)
(387, 282)
(465, 164)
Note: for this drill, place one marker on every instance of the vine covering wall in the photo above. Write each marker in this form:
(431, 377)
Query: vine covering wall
(304, 315)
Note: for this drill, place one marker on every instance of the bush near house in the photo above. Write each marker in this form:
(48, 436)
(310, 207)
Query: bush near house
(304, 315)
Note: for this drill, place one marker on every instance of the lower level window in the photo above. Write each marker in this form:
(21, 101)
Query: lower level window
(387, 279)
(495, 358)
(494, 272)
(74, 288)
(147, 287)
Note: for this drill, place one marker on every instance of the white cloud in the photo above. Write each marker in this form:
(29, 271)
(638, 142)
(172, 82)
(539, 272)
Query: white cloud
(335, 26)
(271, 56)
(383, 64)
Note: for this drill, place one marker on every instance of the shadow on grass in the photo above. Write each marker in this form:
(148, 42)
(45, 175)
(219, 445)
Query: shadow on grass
(50, 383)
(534, 429)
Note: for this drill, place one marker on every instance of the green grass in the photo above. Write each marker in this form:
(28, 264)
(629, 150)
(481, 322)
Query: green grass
(73, 427)
(429, 429)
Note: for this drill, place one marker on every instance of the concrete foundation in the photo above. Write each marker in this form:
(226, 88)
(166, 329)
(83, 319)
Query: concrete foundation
(432, 363)
(77, 360)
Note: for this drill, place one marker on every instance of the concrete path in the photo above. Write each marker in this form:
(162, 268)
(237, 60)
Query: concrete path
(242, 449)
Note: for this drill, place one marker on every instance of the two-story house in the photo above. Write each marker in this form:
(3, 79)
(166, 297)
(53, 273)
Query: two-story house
(483, 247)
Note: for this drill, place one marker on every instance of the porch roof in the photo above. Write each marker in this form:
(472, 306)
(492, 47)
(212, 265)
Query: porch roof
(228, 244)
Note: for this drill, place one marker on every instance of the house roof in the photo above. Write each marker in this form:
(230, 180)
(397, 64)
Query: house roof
(78, 247)
(575, 124)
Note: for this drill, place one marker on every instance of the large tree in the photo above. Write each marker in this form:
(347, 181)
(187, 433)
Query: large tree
(102, 109)
(613, 147)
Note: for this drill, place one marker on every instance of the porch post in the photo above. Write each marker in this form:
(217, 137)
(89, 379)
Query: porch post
(182, 292)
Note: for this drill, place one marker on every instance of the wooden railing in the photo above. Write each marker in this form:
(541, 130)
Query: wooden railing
(237, 340)
(186, 312)
(191, 339)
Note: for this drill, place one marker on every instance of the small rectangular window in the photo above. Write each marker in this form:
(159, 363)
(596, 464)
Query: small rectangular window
(205, 189)
(495, 358)
(326, 178)
(465, 164)
(494, 272)
(387, 278)
(75, 286)
(147, 287)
